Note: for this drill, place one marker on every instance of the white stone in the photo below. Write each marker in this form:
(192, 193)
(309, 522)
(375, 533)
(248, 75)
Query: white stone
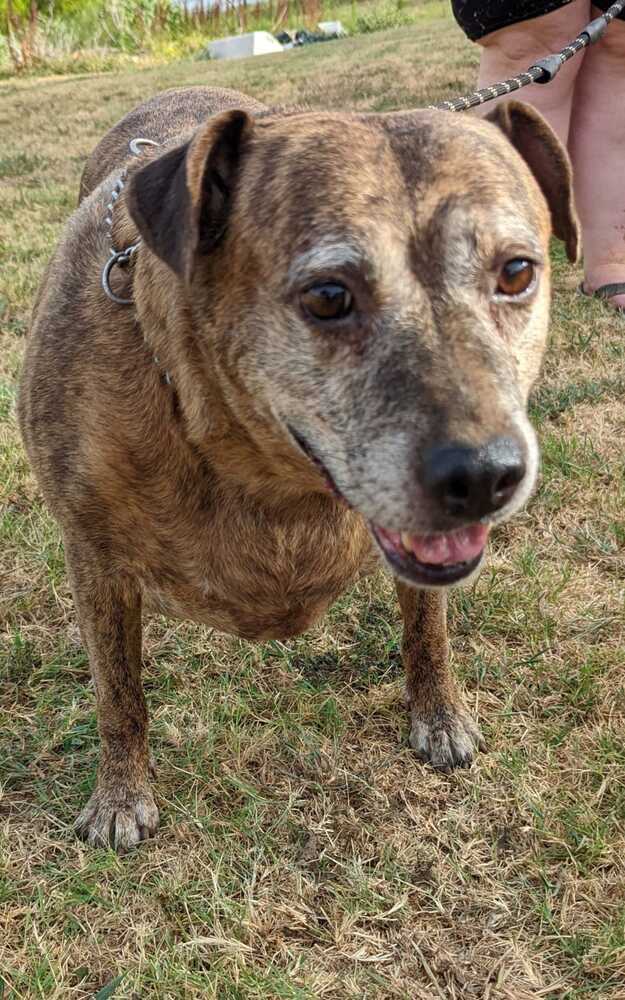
(256, 43)
(331, 28)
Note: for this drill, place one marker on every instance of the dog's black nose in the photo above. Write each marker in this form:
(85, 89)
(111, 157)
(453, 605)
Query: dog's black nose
(469, 482)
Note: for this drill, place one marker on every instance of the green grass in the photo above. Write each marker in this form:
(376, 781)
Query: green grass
(303, 852)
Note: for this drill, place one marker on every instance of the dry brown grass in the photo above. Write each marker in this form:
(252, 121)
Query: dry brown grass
(303, 851)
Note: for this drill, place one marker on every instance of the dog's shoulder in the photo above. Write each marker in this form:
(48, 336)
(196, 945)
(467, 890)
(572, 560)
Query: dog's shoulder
(74, 327)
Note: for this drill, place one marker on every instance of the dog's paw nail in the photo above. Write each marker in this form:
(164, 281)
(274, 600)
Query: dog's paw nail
(446, 739)
(118, 818)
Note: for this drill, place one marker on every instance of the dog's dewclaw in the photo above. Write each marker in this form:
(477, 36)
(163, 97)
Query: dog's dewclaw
(118, 818)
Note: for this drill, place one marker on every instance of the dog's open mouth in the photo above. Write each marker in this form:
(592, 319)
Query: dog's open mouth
(431, 560)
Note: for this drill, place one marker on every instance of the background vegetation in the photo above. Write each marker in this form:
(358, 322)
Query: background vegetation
(64, 36)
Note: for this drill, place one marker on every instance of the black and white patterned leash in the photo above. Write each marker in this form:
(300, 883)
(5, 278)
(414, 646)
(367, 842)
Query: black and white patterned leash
(542, 71)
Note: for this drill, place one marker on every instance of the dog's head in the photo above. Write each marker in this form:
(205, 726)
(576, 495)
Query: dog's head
(379, 289)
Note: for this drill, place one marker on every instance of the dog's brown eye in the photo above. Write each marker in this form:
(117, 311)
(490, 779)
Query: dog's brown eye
(327, 301)
(515, 277)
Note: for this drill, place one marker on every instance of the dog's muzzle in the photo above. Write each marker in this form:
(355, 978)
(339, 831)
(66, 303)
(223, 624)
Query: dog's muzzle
(430, 560)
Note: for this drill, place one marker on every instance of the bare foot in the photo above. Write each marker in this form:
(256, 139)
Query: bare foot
(446, 737)
(118, 817)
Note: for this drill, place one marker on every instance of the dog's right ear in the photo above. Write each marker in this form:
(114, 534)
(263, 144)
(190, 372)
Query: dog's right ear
(180, 201)
(546, 157)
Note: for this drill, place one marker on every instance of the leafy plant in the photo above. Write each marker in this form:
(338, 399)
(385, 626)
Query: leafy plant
(384, 16)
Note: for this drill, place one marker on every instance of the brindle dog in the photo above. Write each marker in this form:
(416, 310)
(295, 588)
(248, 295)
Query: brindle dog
(335, 323)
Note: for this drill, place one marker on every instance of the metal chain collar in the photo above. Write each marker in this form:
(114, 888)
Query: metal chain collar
(120, 258)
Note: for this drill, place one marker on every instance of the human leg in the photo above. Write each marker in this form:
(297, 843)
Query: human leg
(597, 147)
(510, 50)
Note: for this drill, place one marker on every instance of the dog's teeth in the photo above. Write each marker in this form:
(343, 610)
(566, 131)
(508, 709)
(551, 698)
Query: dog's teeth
(406, 541)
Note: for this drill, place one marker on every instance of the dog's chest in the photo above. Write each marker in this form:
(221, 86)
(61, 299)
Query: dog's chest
(262, 577)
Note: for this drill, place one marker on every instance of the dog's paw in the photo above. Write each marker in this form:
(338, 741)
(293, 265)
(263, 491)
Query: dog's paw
(118, 817)
(445, 738)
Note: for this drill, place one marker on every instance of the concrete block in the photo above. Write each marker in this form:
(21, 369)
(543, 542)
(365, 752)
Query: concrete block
(332, 28)
(256, 43)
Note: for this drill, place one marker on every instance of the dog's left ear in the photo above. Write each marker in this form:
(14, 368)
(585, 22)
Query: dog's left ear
(181, 200)
(546, 157)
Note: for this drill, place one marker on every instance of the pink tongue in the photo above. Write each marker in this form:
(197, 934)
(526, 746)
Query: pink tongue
(454, 547)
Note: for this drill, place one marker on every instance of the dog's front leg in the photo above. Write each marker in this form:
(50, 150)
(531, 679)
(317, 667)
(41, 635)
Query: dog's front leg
(122, 810)
(442, 731)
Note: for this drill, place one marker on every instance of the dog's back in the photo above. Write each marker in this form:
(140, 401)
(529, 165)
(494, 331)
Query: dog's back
(163, 118)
